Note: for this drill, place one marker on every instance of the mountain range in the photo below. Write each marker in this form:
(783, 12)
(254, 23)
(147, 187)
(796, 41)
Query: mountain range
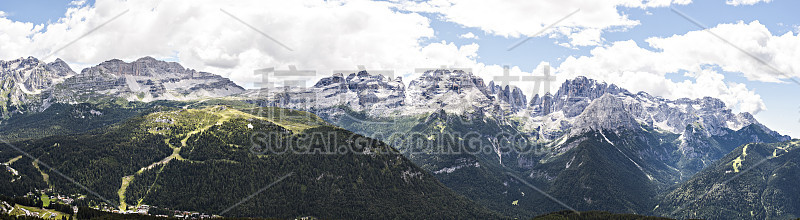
(33, 85)
(588, 146)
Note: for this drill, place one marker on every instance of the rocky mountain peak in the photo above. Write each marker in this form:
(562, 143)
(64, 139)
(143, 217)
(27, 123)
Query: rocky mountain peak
(583, 89)
(511, 95)
(24, 79)
(572, 97)
(455, 91)
(540, 106)
(147, 59)
(34, 73)
(605, 113)
(372, 89)
(145, 66)
(61, 68)
(30, 62)
(374, 93)
(145, 79)
(445, 79)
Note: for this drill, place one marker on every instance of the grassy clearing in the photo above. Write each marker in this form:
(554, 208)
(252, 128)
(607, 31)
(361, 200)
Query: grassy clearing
(126, 181)
(187, 122)
(45, 200)
(737, 163)
(20, 210)
(12, 160)
(44, 175)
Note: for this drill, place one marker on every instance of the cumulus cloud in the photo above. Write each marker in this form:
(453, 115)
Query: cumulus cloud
(525, 18)
(745, 2)
(698, 55)
(322, 35)
(582, 37)
(468, 35)
(778, 52)
(77, 2)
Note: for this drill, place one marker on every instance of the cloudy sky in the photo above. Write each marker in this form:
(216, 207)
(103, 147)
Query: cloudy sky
(745, 52)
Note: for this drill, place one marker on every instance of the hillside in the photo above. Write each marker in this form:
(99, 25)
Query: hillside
(753, 181)
(203, 160)
(591, 215)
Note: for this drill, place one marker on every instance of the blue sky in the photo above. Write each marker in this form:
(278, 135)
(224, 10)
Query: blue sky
(36, 11)
(778, 16)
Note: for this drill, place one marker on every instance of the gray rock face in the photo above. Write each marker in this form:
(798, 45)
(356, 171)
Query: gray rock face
(33, 85)
(511, 96)
(582, 89)
(541, 106)
(146, 66)
(32, 74)
(604, 113)
(455, 91)
(370, 90)
(375, 94)
(25, 79)
(572, 97)
(145, 79)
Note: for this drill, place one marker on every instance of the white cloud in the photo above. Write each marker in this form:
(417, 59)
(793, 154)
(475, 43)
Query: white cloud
(695, 48)
(77, 2)
(745, 2)
(522, 18)
(468, 35)
(328, 35)
(323, 35)
(2, 14)
(699, 54)
(584, 37)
